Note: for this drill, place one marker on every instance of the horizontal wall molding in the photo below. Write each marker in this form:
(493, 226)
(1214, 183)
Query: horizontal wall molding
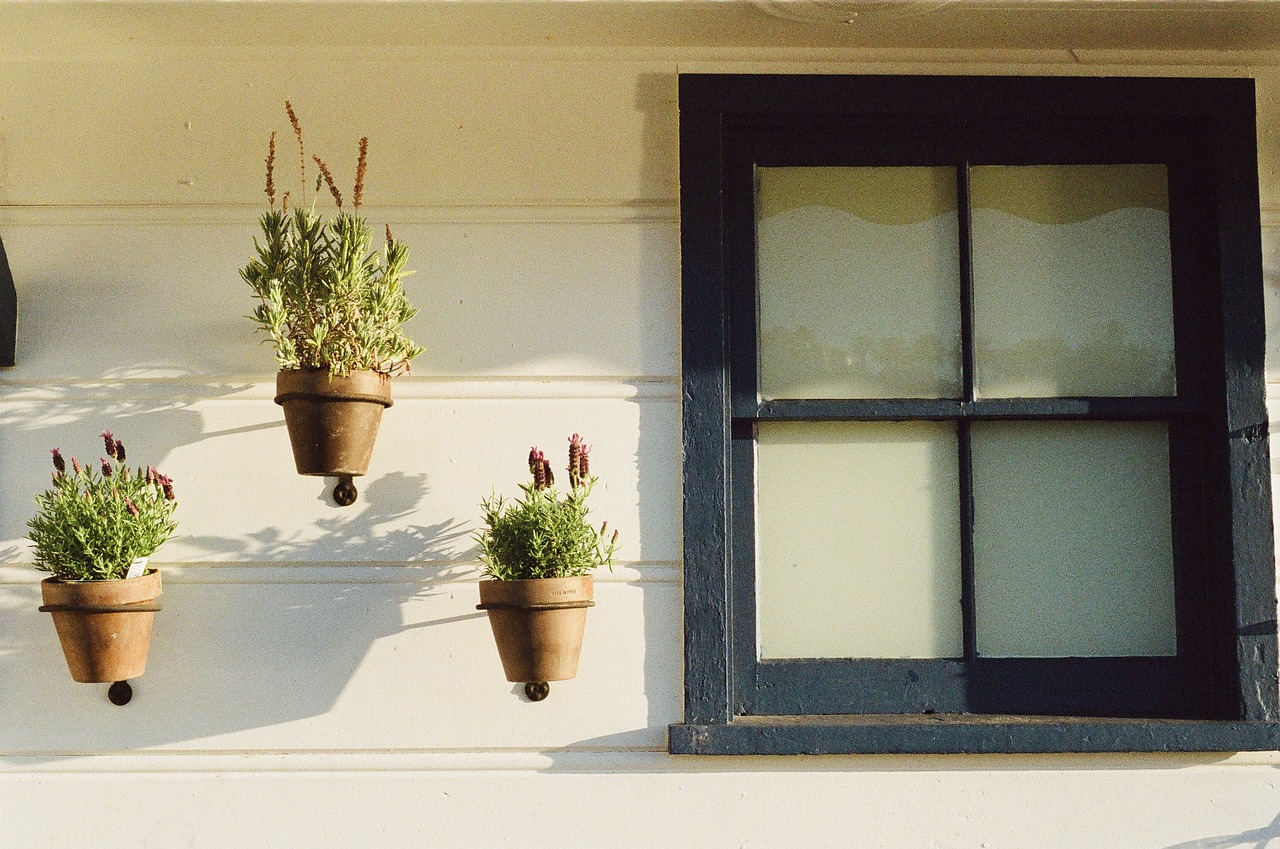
(849, 57)
(436, 573)
(583, 759)
(260, 387)
(530, 211)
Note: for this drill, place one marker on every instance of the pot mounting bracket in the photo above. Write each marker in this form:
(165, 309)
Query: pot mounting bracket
(344, 491)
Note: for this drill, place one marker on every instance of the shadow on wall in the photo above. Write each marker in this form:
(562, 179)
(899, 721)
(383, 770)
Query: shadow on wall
(230, 654)
(1257, 838)
(151, 429)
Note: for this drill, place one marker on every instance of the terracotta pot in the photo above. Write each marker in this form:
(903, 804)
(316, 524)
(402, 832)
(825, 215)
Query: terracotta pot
(101, 641)
(332, 422)
(538, 625)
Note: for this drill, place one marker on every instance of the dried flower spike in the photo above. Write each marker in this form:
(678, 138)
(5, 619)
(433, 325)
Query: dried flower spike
(328, 179)
(271, 165)
(358, 194)
(302, 151)
(130, 506)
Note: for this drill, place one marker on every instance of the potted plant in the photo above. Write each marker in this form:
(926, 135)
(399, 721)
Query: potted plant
(95, 530)
(334, 308)
(538, 552)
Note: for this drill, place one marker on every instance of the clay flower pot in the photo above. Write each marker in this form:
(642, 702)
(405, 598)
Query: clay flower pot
(104, 626)
(538, 625)
(332, 422)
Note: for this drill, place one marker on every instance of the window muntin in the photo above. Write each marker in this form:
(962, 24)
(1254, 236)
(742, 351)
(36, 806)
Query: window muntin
(865, 547)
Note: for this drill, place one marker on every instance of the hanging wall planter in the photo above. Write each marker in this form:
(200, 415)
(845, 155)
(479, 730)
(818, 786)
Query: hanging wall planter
(104, 626)
(538, 552)
(96, 528)
(334, 308)
(538, 625)
(332, 421)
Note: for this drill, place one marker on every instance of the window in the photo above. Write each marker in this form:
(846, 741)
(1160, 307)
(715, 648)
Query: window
(975, 441)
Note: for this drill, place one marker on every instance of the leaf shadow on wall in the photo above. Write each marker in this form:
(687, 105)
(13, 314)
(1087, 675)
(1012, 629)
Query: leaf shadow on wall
(228, 653)
(1256, 838)
(285, 646)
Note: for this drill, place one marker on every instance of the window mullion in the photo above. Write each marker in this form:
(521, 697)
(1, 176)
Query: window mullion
(964, 453)
(965, 231)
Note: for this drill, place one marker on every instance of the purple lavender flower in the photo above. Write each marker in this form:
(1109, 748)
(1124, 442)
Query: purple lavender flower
(575, 461)
(109, 440)
(130, 506)
(539, 466)
(166, 483)
(119, 455)
(75, 464)
(106, 468)
(59, 463)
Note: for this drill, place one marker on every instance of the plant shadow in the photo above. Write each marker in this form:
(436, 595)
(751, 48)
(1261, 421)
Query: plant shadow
(262, 629)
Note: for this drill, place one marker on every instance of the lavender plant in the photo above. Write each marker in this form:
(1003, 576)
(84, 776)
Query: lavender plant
(542, 535)
(326, 298)
(93, 523)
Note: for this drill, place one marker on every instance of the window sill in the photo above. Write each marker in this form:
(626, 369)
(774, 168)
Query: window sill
(967, 734)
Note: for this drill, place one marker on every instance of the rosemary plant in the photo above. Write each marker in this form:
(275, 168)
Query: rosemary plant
(543, 535)
(327, 299)
(93, 523)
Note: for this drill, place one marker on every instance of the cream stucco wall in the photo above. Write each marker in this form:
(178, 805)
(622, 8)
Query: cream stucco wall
(319, 676)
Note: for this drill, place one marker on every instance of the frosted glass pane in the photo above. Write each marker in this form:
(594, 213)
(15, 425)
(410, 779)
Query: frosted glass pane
(1072, 548)
(858, 540)
(1072, 288)
(858, 276)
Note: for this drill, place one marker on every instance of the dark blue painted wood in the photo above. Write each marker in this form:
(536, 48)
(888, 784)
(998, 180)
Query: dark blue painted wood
(944, 409)
(1203, 131)
(704, 388)
(8, 313)
(959, 734)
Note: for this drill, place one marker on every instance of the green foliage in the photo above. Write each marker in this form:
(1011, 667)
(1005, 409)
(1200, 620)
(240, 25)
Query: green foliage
(92, 524)
(542, 535)
(325, 298)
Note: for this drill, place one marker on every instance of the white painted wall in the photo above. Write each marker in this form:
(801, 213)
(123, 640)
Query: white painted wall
(319, 676)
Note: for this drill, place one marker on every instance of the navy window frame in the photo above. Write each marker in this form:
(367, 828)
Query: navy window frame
(1221, 692)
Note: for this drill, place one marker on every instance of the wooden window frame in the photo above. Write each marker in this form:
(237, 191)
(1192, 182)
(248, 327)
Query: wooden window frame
(1225, 571)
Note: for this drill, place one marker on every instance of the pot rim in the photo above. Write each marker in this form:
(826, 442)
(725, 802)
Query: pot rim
(54, 579)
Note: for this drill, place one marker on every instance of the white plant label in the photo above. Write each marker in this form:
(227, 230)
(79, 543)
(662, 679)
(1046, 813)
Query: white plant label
(136, 568)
